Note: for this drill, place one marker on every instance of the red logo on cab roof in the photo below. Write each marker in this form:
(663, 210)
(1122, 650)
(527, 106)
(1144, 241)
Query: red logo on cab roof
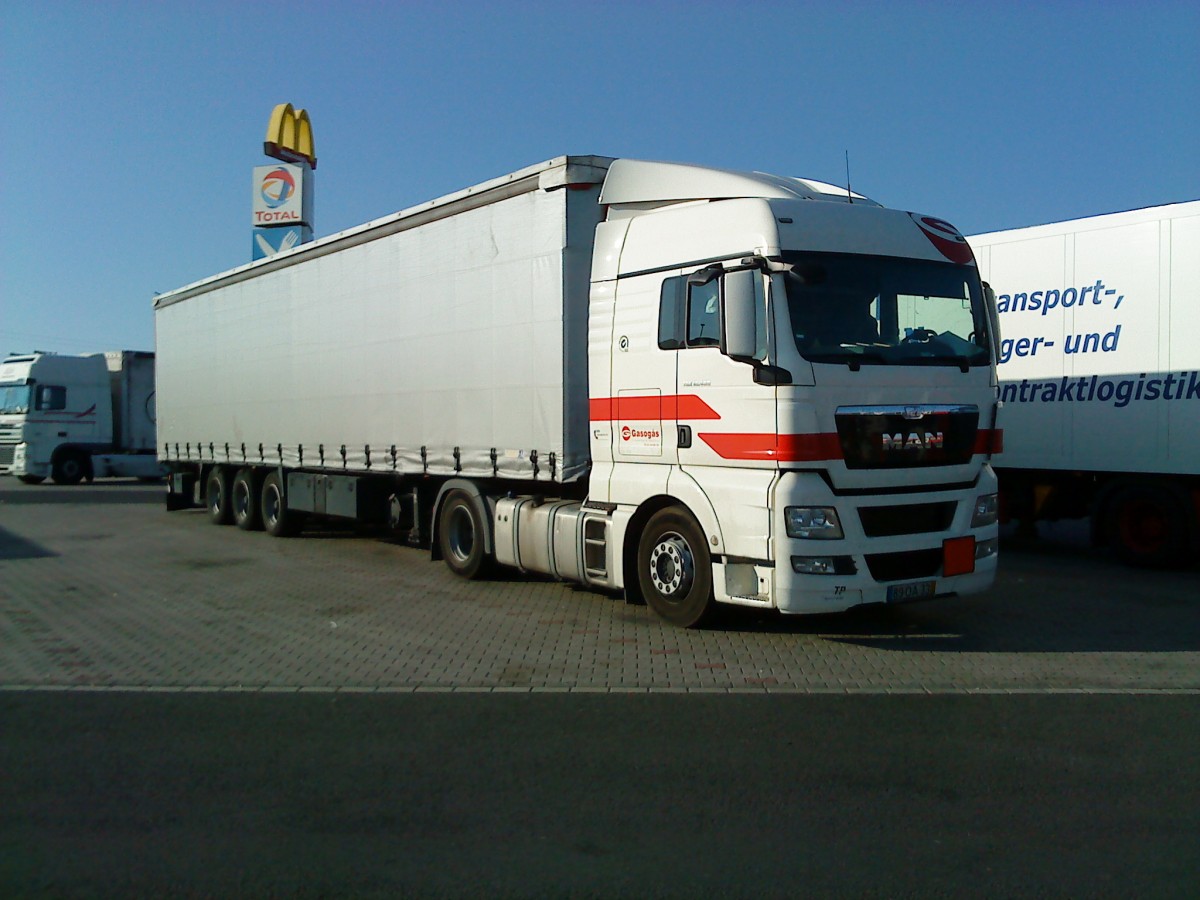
(946, 238)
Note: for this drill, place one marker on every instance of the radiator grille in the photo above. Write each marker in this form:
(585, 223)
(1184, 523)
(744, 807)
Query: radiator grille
(918, 518)
(891, 438)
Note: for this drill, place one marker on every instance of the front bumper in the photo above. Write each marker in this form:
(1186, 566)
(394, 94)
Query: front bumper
(935, 553)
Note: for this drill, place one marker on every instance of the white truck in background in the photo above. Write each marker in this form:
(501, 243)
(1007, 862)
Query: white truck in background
(1100, 375)
(72, 418)
(694, 385)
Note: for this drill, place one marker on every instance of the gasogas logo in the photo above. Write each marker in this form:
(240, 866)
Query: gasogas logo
(628, 433)
(946, 238)
(277, 188)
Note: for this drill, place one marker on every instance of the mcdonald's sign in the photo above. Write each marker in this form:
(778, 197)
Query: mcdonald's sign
(289, 136)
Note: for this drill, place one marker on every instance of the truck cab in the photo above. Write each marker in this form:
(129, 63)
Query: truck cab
(54, 412)
(72, 418)
(810, 374)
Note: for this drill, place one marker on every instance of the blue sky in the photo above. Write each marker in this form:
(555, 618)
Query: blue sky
(128, 131)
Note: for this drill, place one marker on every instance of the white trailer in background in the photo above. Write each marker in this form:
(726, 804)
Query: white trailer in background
(694, 385)
(76, 417)
(1100, 375)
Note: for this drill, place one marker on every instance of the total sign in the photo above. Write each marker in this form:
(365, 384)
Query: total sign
(282, 195)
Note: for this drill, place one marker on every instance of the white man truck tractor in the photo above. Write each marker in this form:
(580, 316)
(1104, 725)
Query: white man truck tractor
(692, 385)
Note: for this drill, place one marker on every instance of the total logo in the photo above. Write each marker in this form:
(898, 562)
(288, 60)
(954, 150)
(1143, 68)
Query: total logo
(627, 433)
(277, 188)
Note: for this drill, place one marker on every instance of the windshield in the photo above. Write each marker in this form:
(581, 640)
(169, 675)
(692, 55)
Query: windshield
(886, 311)
(14, 399)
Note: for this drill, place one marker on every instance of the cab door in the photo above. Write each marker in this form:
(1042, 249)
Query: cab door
(637, 414)
(726, 430)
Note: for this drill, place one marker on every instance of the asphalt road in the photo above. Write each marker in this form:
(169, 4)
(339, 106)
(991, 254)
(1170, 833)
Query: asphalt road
(226, 795)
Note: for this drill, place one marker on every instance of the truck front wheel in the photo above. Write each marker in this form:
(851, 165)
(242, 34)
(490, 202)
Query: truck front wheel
(461, 536)
(69, 468)
(674, 569)
(217, 496)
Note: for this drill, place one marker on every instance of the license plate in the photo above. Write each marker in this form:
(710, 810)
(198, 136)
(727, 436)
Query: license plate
(898, 593)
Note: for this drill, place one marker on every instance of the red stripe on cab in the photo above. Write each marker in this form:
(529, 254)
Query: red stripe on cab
(649, 408)
(780, 448)
(989, 440)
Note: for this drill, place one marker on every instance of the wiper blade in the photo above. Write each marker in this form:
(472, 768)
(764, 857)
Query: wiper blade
(855, 362)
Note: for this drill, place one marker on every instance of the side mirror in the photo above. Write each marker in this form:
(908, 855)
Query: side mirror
(740, 332)
(993, 319)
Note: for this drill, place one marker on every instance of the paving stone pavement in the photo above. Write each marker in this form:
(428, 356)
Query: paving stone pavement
(101, 589)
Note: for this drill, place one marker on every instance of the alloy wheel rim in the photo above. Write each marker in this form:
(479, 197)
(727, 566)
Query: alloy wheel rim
(672, 566)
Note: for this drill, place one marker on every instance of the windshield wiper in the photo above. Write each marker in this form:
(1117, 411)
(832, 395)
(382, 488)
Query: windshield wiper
(855, 362)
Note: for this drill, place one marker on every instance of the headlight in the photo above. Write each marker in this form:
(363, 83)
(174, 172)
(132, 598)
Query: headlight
(814, 522)
(987, 510)
(824, 565)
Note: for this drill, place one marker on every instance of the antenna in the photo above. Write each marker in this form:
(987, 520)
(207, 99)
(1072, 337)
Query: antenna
(849, 194)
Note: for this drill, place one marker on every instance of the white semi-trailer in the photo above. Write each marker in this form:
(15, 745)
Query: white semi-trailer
(694, 385)
(75, 417)
(1100, 375)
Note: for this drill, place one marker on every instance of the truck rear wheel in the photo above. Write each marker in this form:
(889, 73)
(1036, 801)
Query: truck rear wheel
(461, 536)
(69, 468)
(247, 513)
(277, 519)
(1148, 525)
(217, 496)
(674, 569)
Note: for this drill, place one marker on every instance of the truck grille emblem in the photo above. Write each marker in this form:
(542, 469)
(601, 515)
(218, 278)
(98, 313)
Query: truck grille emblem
(914, 441)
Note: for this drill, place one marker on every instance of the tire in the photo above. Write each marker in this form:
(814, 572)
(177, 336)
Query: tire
(277, 519)
(69, 468)
(31, 479)
(247, 511)
(218, 496)
(1147, 524)
(461, 536)
(675, 570)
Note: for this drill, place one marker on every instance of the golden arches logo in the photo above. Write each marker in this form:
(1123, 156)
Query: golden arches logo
(289, 136)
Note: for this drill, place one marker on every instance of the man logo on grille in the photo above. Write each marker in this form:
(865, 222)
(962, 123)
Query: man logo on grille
(914, 441)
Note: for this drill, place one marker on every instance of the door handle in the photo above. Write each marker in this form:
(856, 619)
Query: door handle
(685, 437)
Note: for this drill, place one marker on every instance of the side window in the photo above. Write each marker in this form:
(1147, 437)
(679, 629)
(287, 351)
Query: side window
(671, 308)
(704, 314)
(51, 397)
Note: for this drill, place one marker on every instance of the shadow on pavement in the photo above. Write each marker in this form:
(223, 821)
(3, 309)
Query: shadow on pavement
(13, 546)
(1052, 599)
(109, 491)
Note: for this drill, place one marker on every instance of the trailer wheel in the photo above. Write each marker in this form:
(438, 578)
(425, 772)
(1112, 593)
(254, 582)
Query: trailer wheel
(277, 519)
(1148, 525)
(69, 468)
(674, 569)
(247, 513)
(460, 536)
(217, 496)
